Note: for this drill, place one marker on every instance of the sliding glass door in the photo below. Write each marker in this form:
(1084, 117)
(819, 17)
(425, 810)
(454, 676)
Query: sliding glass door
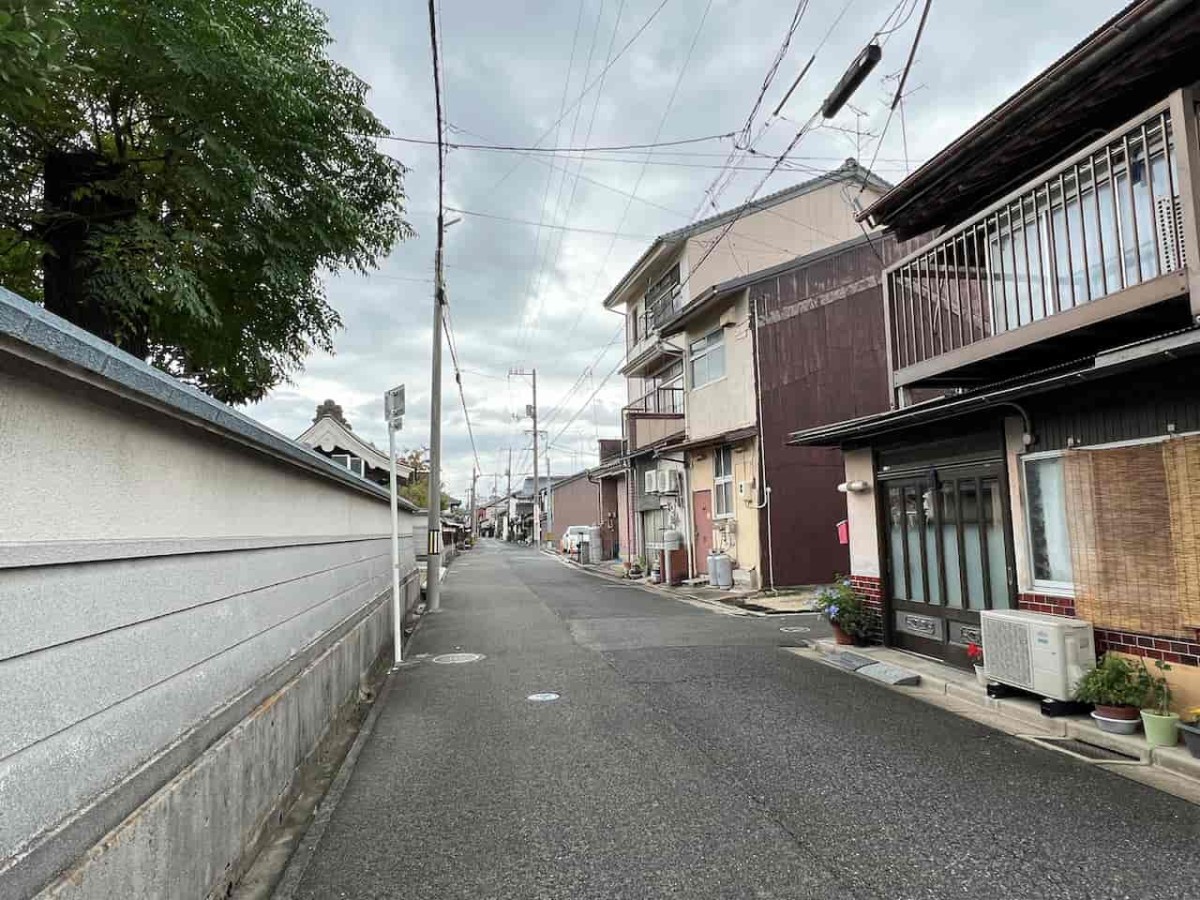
(948, 555)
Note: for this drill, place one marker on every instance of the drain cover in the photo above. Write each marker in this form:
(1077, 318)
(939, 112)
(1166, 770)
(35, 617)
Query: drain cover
(542, 697)
(1090, 752)
(450, 659)
(795, 629)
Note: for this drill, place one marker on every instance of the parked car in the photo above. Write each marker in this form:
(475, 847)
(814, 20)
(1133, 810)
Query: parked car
(573, 537)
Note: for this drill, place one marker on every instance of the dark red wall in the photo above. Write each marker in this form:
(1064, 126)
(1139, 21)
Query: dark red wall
(822, 358)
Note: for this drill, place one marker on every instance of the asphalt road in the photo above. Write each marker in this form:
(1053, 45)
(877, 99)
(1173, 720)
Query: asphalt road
(689, 756)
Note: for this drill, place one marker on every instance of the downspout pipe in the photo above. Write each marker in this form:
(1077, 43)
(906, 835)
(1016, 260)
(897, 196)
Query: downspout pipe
(762, 444)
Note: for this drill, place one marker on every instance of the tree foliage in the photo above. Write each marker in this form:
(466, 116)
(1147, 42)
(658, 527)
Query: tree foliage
(417, 489)
(176, 177)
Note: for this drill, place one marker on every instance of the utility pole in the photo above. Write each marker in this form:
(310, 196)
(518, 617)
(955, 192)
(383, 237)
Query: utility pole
(508, 502)
(531, 411)
(474, 516)
(537, 507)
(433, 557)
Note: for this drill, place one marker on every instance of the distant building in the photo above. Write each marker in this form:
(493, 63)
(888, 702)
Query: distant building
(330, 435)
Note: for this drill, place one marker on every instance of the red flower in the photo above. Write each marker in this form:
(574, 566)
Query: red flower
(975, 653)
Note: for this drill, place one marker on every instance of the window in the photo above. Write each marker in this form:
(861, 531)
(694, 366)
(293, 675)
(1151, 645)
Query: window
(708, 358)
(1046, 522)
(723, 483)
(353, 463)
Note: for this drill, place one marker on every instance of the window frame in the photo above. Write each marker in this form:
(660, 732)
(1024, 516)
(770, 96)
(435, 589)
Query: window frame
(720, 480)
(1040, 585)
(710, 346)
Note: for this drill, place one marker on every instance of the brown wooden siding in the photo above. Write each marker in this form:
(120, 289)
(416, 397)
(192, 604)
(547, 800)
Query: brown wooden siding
(822, 358)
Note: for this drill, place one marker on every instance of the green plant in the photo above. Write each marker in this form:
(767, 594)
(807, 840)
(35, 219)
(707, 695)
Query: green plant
(1114, 681)
(1156, 691)
(180, 178)
(844, 608)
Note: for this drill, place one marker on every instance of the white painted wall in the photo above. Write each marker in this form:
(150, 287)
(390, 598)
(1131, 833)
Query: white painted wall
(727, 403)
(157, 569)
(861, 510)
(77, 470)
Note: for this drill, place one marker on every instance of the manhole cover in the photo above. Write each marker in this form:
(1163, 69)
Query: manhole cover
(795, 629)
(542, 697)
(450, 659)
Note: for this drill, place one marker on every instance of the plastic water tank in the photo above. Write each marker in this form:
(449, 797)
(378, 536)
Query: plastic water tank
(720, 570)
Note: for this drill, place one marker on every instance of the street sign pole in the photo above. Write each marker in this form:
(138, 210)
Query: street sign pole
(393, 408)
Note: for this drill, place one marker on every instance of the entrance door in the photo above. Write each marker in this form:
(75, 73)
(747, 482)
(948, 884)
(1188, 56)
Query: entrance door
(702, 514)
(949, 555)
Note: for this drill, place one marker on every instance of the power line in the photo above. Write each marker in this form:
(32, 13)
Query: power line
(900, 87)
(483, 215)
(458, 378)
(587, 90)
(661, 124)
(513, 148)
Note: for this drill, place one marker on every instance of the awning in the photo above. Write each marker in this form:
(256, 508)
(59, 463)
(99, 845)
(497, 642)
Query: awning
(725, 437)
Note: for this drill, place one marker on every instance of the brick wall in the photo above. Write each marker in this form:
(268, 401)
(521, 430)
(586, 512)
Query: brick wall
(1168, 649)
(871, 590)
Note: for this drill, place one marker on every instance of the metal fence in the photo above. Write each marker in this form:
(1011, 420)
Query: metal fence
(1107, 220)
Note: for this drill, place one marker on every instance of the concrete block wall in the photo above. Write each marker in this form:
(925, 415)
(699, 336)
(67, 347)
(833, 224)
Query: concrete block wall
(186, 600)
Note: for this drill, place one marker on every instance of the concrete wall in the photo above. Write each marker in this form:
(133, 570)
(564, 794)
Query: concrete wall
(726, 403)
(861, 511)
(738, 536)
(575, 502)
(765, 238)
(186, 599)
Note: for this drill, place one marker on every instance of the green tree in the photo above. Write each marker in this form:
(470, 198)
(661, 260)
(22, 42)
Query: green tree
(417, 489)
(175, 177)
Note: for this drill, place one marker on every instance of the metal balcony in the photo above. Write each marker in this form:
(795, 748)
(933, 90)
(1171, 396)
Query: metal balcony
(1098, 236)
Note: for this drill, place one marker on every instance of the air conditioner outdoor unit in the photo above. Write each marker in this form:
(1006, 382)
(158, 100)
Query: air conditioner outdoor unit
(1044, 654)
(651, 482)
(668, 481)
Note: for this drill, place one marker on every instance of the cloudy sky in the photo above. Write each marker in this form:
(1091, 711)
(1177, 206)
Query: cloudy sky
(543, 237)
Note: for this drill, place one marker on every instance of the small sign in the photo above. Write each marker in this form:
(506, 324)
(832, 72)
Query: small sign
(393, 407)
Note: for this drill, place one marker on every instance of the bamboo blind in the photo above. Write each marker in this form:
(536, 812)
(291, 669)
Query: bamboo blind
(1134, 528)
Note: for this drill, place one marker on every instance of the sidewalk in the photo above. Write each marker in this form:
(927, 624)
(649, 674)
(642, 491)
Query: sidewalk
(788, 600)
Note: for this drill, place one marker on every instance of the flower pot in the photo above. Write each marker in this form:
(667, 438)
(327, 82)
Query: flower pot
(1129, 713)
(1191, 738)
(1115, 726)
(1161, 731)
(841, 636)
(980, 677)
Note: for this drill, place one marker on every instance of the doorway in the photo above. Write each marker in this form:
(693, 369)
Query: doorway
(947, 546)
(702, 516)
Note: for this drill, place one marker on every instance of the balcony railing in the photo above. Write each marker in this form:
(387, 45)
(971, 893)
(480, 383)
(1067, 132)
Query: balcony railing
(663, 401)
(1107, 220)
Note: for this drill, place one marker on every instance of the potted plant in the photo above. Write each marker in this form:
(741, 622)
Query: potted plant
(1162, 725)
(1116, 688)
(975, 654)
(1190, 726)
(845, 611)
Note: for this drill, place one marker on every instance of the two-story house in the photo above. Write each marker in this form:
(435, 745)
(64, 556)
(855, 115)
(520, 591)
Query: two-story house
(691, 424)
(1044, 376)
